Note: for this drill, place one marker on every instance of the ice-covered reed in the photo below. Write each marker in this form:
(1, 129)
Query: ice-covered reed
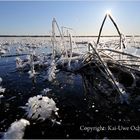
(2, 90)
(1, 96)
(19, 63)
(0, 80)
(123, 96)
(51, 72)
(32, 71)
(16, 130)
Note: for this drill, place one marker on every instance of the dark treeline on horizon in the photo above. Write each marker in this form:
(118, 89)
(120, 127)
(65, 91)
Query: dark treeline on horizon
(65, 36)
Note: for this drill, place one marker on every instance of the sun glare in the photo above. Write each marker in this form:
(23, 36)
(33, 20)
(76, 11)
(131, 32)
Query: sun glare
(108, 12)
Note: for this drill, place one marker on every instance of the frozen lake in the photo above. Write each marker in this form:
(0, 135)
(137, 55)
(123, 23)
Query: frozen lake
(79, 110)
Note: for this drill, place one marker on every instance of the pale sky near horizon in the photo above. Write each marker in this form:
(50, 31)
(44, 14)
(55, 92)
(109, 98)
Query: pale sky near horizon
(85, 17)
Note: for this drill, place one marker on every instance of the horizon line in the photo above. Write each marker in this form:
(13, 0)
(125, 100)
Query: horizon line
(67, 36)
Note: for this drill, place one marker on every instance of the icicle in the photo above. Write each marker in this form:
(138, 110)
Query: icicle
(32, 72)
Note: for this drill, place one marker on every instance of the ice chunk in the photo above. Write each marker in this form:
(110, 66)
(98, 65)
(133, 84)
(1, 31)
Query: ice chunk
(2, 90)
(41, 108)
(1, 96)
(32, 73)
(2, 51)
(16, 130)
(45, 91)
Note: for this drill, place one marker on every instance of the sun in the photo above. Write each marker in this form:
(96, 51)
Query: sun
(108, 12)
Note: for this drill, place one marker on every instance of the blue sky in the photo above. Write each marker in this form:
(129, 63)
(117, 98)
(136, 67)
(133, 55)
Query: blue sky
(85, 17)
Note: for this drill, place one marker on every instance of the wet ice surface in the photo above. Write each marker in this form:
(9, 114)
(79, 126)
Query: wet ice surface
(81, 113)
